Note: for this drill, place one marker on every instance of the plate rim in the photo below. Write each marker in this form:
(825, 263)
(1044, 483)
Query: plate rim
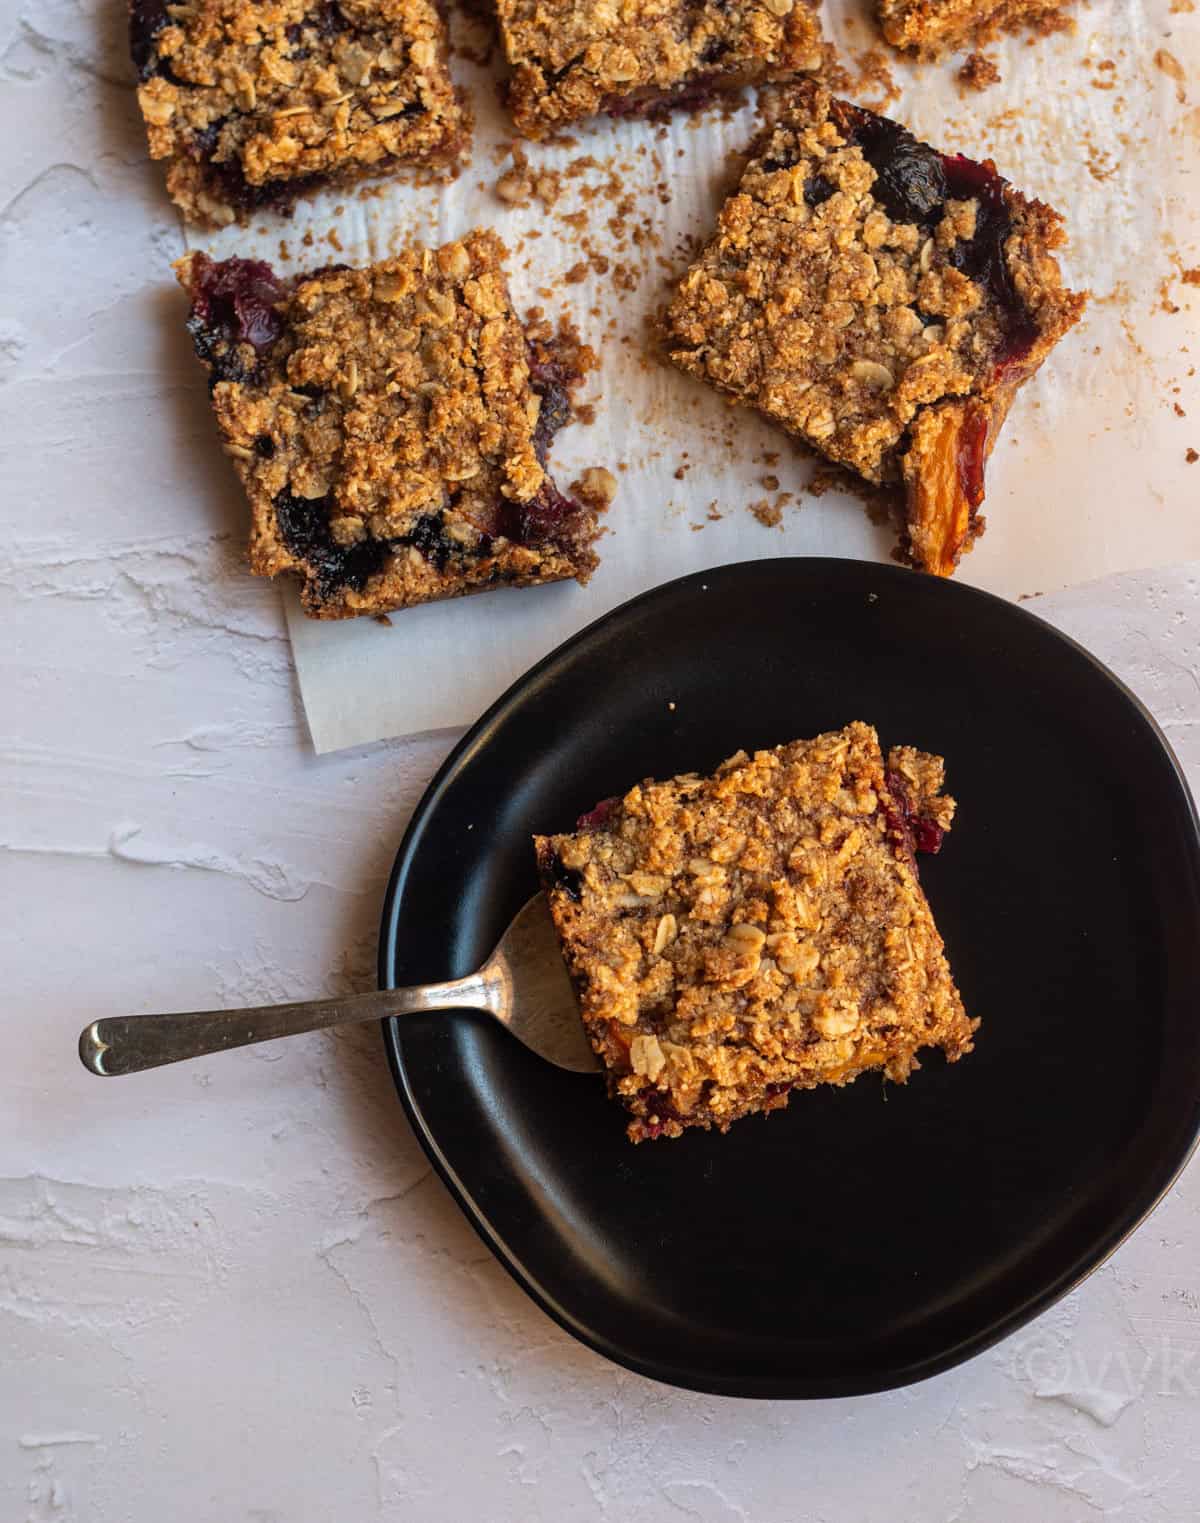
(752, 1387)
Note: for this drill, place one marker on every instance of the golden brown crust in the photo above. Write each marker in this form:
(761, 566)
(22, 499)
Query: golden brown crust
(390, 432)
(933, 27)
(253, 102)
(823, 304)
(573, 60)
(734, 937)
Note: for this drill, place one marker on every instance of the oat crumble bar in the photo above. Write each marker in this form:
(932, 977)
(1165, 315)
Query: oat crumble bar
(253, 103)
(577, 58)
(933, 27)
(390, 425)
(880, 300)
(735, 937)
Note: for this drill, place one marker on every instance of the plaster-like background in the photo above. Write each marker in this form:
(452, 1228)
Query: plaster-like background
(232, 1290)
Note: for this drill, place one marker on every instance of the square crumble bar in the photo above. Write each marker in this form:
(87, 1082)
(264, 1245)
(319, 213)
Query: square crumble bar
(577, 58)
(256, 102)
(390, 425)
(880, 300)
(932, 27)
(735, 937)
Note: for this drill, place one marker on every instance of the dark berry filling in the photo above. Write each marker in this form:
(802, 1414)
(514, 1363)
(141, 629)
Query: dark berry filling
(597, 818)
(557, 874)
(235, 301)
(982, 258)
(916, 830)
(913, 182)
(304, 528)
(659, 1110)
(547, 518)
(689, 95)
(327, 20)
(551, 380)
(428, 535)
(817, 190)
(146, 19)
(910, 181)
(228, 183)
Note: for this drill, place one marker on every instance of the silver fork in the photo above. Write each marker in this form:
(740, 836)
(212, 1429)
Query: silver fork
(523, 985)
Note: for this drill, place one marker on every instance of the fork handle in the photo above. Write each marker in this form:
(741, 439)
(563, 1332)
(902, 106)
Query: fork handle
(125, 1044)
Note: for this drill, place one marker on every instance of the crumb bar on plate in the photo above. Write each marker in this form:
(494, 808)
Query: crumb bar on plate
(253, 103)
(932, 27)
(880, 300)
(390, 425)
(577, 58)
(734, 937)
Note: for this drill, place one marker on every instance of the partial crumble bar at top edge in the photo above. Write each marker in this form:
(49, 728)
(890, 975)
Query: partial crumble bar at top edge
(391, 425)
(572, 60)
(930, 28)
(880, 300)
(254, 103)
(732, 938)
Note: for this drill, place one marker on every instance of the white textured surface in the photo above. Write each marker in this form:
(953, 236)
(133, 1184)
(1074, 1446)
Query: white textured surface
(232, 1291)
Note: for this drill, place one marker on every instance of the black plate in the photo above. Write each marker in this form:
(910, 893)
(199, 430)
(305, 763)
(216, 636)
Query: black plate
(870, 1236)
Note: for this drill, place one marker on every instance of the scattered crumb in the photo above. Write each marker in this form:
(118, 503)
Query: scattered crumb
(382, 618)
(596, 487)
(1179, 412)
(1100, 165)
(1190, 277)
(1192, 456)
(1169, 65)
(334, 242)
(769, 514)
(978, 72)
(671, 706)
(771, 483)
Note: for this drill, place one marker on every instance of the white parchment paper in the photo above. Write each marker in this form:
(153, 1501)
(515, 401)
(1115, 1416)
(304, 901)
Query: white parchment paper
(1090, 476)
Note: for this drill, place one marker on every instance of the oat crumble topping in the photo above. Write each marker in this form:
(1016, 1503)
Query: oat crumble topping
(735, 937)
(255, 102)
(577, 58)
(881, 301)
(390, 425)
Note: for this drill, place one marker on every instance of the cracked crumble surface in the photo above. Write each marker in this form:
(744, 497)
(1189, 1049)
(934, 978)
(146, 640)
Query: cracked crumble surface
(933, 27)
(880, 300)
(572, 60)
(255, 102)
(734, 937)
(390, 425)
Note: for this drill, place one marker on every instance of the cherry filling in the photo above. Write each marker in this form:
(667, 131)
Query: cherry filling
(689, 95)
(598, 818)
(233, 303)
(981, 258)
(905, 820)
(549, 517)
(972, 455)
(235, 299)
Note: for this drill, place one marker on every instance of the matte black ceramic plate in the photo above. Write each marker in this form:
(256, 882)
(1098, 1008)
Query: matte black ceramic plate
(867, 1236)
